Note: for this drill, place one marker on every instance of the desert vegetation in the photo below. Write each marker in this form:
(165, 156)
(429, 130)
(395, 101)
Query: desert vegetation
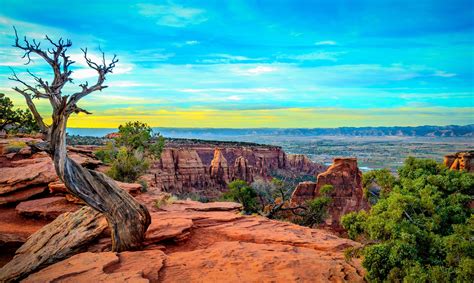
(272, 200)
(15, 120)
(131, 151)
(421, 228)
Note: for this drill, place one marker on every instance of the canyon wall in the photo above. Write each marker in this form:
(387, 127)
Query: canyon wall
(206, 169)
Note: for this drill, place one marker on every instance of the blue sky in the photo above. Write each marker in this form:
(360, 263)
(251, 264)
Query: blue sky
(260, 63)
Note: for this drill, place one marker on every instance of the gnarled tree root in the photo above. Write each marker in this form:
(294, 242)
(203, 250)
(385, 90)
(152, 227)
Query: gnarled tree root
(56, 241)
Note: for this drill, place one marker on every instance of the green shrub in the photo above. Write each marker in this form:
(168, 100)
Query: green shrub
(131, 152)
(422, 230)
(241, 192)
(127, 167)
(316, 209)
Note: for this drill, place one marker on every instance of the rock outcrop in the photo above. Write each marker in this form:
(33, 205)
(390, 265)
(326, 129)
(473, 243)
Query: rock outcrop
(347, 194)
(460, 161)
(301, 163)
(26, 173)
(55, 241)
(197, 242)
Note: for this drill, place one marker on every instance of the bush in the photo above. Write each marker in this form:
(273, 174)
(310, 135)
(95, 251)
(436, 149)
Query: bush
(131, 152)
(316, 209)
(241, 192)
(127, 167)
(422, 228)
(15, 120)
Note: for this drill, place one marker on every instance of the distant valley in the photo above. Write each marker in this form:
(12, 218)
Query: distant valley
(375, 147)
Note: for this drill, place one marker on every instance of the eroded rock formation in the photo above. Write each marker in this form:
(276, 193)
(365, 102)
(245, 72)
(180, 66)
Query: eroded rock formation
(347, 193)
(460, 161)
(207, 169)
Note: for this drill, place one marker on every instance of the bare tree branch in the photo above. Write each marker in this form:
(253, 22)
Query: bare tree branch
(102, 71)
(39, 120)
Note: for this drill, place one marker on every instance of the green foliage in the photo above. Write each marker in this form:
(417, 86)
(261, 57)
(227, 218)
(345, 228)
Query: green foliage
(422, 229)
(15, 120)
(131, 152)
(377, 182)
(241, 192)
(128, 166)
(108, 153)
(139, 136)
(316, 209)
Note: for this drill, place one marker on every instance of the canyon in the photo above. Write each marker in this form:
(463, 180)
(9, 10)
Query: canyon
(186, 241)
(206, 169)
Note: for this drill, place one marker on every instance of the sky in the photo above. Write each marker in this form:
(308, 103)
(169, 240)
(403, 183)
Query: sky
(250, 64)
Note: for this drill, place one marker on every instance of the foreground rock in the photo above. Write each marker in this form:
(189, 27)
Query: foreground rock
(196, 242)
(347, 194)
(58, 240)
(26, 173)
(220, 262)
(47, 208)
(460, 161)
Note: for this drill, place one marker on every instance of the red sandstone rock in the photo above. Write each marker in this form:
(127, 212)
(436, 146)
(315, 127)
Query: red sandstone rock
(460, 161)
(48, 208)
(206, 170)
(17, 178)
(142, 266)
(347, 194)
(216, 246)
(250, 262)
(301, 163)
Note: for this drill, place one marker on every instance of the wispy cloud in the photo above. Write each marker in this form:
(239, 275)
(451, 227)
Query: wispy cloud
(443, 74)
(191, 42)
(314, 56)
(325, 42)
(172, 15)
(258, 70)
(227, 58)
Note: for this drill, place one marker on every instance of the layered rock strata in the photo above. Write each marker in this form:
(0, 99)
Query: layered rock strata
(347, 194)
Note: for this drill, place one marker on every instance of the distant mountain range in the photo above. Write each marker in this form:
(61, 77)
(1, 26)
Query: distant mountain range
(419, 131)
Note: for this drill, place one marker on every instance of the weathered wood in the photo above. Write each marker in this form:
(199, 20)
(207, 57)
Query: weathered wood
(63, 237)
(128, 219)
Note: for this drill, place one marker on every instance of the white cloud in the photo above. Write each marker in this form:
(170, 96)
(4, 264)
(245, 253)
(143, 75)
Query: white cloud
(314, 56)
(256, 71)
(233, 90)
(234, 98)
(192, 42)
(221, 58)
(443, 74)
(172, 15)
(325, 42)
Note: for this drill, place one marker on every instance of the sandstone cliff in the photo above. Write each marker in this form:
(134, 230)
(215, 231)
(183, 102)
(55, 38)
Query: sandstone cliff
(206, 169)
(460, 161)
(347, 194)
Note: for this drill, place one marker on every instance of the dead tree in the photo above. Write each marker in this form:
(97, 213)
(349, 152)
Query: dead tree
(128, 219)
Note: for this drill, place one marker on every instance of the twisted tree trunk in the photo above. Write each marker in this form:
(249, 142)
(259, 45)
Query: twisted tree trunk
(128, 220)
